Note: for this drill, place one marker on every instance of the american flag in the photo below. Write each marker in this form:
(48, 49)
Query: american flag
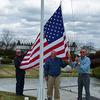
(54, 39)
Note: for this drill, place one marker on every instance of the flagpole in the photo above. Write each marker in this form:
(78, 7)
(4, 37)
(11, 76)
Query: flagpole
(41, 85)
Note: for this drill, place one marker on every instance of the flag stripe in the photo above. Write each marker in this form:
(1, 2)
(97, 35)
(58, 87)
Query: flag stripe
(46, 48)
(45, 52)
(54, 47)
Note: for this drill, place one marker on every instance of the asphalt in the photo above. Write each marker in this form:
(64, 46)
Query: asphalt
(92, 98)
(68, 89)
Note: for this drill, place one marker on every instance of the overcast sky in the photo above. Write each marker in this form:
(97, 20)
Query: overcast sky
(23, 18)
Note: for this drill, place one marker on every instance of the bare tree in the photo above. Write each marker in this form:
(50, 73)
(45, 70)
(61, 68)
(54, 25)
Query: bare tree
(7, 39)
(1, 44)
(89, 47)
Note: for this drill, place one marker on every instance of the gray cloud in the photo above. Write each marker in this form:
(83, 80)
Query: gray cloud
(24, 18)
(83, 24)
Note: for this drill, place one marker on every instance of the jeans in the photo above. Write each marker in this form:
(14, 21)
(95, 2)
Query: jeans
(84, 81)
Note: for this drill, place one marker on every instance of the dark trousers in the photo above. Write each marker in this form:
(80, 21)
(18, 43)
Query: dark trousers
(84, 81)
(20, 75)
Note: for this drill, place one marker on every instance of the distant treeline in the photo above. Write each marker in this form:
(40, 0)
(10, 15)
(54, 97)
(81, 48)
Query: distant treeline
(8, 56)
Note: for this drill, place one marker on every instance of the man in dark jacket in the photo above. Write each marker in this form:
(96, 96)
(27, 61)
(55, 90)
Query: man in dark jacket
(52, 70)
(20, 74)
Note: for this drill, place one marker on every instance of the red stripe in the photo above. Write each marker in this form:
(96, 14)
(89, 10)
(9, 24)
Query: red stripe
(33, 47)
(53, 47)
(48, 50)
(36, 50)
(35, 44)
(37, 57)
(27, 55)
(37, 36)
(61, 52)
(29, 50)
(45, 44)
(32, 60)
(36, 65)
(46, 59)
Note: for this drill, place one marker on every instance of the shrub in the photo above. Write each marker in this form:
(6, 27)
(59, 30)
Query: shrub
(6, 61)
(96, 72)
(7, 53)
(95, 59)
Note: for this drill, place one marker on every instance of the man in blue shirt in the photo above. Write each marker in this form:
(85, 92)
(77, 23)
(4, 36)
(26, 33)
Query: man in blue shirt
(82, 64)
(52, 70)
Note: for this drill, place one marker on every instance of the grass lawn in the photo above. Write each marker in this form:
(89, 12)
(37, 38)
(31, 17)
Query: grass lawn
(12, 96)
(65, 74)
(8, 71)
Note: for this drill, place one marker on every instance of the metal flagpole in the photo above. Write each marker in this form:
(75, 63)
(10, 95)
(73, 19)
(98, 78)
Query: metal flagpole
(41, 85)
(73, 20)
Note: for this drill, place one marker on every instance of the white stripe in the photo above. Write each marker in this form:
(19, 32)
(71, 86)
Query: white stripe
(57, 49)
(61, 55)
(53, 43)
(38, 44)
(37, 53)
(34, 44)
(46, 47)
(31, 64)
(33, 56)
(37, 61)
(33, 50)
(45, 56)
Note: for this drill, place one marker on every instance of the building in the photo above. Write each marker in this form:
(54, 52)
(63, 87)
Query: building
(22, 47)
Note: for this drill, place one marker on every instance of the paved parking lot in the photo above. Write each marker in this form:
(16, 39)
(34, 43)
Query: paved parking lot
(68, 89)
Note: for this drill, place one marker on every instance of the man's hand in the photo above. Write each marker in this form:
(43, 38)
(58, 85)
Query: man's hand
(66, 61)
(77, 60)
(46, 78)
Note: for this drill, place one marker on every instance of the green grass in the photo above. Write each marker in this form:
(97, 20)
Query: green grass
(12, 96)
(8, 71)
(65, 74)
